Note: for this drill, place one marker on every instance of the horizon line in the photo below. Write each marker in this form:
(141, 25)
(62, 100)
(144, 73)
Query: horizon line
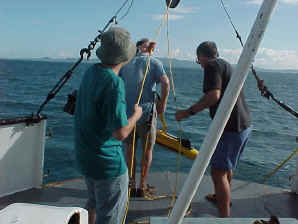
(94, 59)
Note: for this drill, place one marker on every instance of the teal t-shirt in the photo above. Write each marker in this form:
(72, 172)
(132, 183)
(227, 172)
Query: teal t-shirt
(100, 110)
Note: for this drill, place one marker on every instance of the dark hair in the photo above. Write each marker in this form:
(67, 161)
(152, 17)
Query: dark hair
(142, 41)
(208, 49)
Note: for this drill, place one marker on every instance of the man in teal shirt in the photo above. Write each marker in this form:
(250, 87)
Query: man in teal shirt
(101, 125)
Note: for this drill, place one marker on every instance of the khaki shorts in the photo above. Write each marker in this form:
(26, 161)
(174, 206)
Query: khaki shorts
(142, 130)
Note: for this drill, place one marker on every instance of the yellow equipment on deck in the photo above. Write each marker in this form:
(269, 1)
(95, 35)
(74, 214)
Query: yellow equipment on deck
(173, 143)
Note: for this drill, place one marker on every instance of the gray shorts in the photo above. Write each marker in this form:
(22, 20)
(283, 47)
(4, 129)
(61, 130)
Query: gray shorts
(143, 130)
(108, 197)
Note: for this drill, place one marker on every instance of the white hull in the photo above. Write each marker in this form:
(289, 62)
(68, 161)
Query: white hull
(21, 156)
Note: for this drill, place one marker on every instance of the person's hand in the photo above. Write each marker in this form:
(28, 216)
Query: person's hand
(181, 114)
(261, 85)
(160, 107)
(138, 111)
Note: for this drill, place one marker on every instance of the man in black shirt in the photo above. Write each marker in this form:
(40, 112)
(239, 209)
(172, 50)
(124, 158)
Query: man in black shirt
(217, 73)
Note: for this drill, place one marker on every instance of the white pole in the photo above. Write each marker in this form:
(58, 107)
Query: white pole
(223, 113)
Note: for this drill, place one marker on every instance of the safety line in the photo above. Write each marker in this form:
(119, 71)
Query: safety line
(280, 166)
(263, 89)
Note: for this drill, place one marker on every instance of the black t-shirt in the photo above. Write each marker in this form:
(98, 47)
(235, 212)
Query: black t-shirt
(217, 74)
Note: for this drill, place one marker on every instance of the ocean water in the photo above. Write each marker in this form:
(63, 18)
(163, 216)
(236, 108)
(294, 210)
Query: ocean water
(25, 84)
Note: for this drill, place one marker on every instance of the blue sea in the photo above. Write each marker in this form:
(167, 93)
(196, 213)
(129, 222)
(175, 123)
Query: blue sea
(24, 85)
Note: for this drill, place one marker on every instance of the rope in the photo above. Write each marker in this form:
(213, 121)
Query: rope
(178, 160)
(266, 177)
(140, 222)
(138, 102)
(147, 195)
(267, 94)
(263, 89)
(83, 51)
(273, 220)
(280, 165)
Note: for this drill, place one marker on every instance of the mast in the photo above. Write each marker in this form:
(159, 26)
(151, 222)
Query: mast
(223, 113)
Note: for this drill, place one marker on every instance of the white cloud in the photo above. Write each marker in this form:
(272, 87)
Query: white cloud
(185, 10)
(176, 53)
(267, 58)
(171, 17)
(259, 2)
(234, 52)
(65, 54)
(290, 1)
(231, 55)
(37, 22)
(177, 13)
(183, 54)
(255, 2)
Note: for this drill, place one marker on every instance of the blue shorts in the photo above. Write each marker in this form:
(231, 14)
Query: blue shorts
(229, 149)
(109, 198)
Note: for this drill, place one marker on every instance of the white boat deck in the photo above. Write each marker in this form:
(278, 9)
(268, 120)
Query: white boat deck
(161, 220)
(250, 200)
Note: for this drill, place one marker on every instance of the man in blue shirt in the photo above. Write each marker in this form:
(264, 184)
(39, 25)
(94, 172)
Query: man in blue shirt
(101, 124)
(133, 75)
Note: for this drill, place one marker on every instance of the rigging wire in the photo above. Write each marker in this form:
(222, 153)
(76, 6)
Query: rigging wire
(263, 89)
(178, 160)
(121, 7)
(230, 19)
(127, 11)
(83, 51)
(267, 94)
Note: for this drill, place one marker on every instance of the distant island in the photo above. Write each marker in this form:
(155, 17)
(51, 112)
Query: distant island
(176, 63)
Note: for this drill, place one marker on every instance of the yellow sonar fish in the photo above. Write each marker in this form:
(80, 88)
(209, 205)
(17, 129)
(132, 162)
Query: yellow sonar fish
(173, 143)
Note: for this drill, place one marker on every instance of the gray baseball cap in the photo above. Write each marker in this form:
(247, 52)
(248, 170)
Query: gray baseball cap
(116, 47)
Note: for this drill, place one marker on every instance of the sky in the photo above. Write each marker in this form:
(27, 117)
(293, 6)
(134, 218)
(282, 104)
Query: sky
(59, 29)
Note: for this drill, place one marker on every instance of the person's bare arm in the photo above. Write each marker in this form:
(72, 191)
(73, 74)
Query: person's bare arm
(122, 133)
(165, 89)
(209, 99)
